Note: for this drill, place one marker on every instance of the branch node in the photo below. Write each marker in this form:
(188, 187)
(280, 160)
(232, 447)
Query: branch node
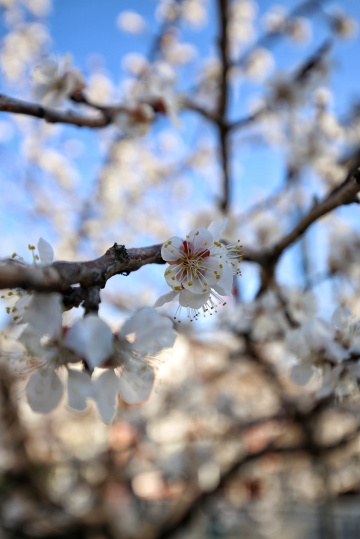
(356, 176)
(118, 252)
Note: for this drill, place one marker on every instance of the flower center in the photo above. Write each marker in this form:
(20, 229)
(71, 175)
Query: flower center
(191, 261)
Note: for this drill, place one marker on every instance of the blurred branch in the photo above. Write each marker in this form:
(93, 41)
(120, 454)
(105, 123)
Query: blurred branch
(189, 104)
(346, 193)
(299, 77)
(223, 130)
(9, 104)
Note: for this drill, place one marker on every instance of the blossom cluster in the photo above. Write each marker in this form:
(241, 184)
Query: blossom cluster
(327, 350)
(201, 269)
(103, 365)
(54, 80)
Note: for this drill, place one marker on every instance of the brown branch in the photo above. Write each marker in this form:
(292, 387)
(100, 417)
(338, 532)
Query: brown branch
(222, 108)
(346, 193)
(301, 76)
(195, 498)
(59, 276)
(188, 104)
(17, 106)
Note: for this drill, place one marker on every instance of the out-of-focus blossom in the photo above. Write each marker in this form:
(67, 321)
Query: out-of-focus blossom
(45, 256)
(168, 10)
(348, 329)
(43, 340)
(54, 80)
(275, 20)
(91, 338)
(134, 119)
(194, 12)
(314, 346)
(177, 53)
(267, 228)
(130, 371)
(270, 315)
(344, 248)
(343, 26)
(100, 88)
(157, 95)
(259, 64)
(130, 21)
(135, 63)
(27, 40)
(283, 90)
(299, 29)
(241, 24)
(161, 92)
(40, 8)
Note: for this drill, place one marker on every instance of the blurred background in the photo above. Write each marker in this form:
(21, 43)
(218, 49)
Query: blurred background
(259, 122)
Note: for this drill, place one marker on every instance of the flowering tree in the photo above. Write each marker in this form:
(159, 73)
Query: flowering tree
(188, 402)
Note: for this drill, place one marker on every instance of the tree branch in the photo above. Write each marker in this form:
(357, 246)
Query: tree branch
(17, 106)
(223, 130)
(59, 276)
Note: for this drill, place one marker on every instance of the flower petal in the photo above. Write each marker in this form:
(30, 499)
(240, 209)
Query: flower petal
(217, 229)
(136, 381)
(301, 374)
(91, 338)
(194, 301)
(105, 389)
(341, 317)
(46, 252)
(44, 315)
(166, 298)
(224, 284)
(44, 391)
(175, 275)
(200, 239)
(79, 389)
(152, 331)
(213, 269)
(172, 249)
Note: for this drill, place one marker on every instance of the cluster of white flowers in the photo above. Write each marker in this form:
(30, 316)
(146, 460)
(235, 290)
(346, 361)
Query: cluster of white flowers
(55, 80)
(269, 316)
(200, 269)
(154, 94)
(329, 350)
(126, 358)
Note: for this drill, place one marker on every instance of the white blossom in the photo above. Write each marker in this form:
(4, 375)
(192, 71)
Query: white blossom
(91, 338)
(130, 21)
(131, 372)
(348, 329)
(43, 339)
(55, 80)
(200, 268)
(314, 346)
